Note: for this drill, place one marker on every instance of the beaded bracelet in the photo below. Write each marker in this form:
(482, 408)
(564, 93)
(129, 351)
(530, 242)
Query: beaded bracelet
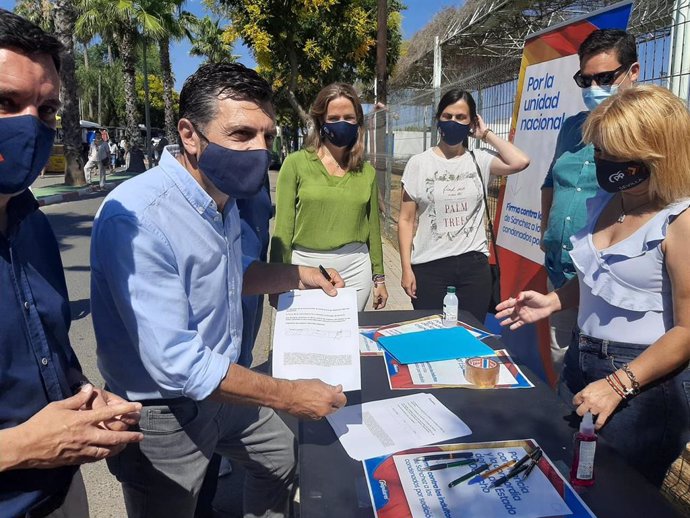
(633, 380)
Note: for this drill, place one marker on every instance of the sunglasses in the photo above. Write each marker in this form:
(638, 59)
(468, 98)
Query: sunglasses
(602, 78)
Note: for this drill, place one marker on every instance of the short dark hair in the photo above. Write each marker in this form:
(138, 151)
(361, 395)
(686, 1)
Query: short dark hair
(19, 33)
(215, 81)
(605, 40)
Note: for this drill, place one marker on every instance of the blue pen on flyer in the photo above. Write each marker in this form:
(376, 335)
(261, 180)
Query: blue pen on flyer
(469, 475)
(325, 273)
(444, 465)
(484, 476)
(524, 459)
(506, 478)
(444, 456)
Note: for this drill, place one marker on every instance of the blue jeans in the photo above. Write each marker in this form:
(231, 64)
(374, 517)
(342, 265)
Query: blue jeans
(161, 477)
(649, 430)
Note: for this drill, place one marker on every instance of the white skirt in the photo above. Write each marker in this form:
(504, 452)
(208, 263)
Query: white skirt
(351, 261)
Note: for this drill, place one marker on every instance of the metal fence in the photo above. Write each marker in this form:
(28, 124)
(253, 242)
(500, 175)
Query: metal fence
(407, 126)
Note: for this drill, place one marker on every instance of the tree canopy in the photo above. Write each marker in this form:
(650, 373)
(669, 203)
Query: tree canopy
(303, 45)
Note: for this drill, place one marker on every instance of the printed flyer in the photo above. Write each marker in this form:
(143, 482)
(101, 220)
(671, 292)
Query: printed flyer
(405, 484)
(451, 374)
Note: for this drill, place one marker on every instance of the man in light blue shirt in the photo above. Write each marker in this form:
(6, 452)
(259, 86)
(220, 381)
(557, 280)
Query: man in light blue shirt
(608, 61)
(166, 286)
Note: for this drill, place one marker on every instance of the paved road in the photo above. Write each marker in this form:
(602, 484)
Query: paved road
(72, 225)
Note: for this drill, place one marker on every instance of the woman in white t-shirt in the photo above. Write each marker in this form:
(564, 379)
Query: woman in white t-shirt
(442, 187)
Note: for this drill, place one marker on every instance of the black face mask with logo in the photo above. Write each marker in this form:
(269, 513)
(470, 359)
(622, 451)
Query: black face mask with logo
(619, 176)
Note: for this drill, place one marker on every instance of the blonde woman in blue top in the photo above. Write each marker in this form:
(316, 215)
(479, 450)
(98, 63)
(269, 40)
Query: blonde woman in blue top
(628, 361)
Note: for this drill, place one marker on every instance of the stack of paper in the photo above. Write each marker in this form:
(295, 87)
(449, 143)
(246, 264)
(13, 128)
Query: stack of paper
(381, 427)
(316, 336)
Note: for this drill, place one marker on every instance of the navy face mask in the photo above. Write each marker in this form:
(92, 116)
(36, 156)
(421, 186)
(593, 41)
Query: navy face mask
(239, 174)
(619, 176)
(453, 133)
(25, 147)
(340, 134)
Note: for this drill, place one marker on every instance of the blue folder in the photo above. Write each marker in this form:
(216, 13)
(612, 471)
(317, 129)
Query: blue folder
(434, 345)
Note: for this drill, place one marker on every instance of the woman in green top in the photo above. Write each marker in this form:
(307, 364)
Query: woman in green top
(327, 199)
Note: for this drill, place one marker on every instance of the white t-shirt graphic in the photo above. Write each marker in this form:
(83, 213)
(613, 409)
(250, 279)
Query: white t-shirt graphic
(450, 204)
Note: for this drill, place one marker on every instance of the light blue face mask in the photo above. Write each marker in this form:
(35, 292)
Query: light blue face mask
(595, 95)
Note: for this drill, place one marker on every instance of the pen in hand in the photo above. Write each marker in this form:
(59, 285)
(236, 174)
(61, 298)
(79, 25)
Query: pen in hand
(326, 275)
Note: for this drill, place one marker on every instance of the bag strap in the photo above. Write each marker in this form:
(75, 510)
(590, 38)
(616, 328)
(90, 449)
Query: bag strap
(486, 207)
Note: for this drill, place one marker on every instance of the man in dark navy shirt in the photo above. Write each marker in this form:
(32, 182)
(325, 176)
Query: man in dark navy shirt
(45, 430)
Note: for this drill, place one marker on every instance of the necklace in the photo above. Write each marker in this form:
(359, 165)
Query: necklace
(624, 213)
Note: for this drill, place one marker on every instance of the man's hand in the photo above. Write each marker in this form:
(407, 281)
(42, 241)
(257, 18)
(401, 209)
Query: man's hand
(104, 399)
(314, 399)
(313, 278)
(62, 433)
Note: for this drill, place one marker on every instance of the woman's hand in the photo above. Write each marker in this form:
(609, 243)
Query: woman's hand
(526, 308)
(479, 128)
(409, 283)
(599, 398)
(380, 296)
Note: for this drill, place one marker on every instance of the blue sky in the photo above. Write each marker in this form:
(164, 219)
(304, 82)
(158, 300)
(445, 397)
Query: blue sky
(416, 16)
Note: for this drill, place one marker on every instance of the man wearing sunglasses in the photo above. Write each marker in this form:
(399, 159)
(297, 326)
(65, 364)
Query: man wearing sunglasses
(608, 62)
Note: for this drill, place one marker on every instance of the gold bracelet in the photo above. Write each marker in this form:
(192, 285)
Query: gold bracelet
(486, 132)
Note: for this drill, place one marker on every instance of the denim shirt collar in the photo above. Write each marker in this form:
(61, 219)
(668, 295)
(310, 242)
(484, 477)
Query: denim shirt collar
(185, 182)
(19, 208)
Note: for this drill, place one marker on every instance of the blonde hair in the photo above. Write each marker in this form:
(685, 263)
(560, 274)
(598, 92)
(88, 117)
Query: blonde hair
(314, 140)
(646, 123)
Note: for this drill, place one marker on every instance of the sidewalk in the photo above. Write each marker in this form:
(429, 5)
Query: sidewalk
(51, 189)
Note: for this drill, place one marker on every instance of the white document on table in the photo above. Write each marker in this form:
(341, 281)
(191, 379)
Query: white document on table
(389, 425)
(317, 336)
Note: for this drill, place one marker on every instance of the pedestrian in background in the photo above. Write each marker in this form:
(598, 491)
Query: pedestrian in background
(94, 162)
(327, 209)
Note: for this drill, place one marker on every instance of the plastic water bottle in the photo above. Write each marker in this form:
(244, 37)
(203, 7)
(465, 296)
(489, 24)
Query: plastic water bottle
(450, 308)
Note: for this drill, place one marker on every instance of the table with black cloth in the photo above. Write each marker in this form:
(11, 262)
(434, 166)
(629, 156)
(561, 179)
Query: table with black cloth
(333, 485)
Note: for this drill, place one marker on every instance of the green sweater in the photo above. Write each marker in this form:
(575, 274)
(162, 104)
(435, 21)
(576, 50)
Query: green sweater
(317, 211)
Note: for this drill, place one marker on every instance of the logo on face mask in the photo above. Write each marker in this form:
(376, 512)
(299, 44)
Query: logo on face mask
(341, 133)
(619, 176)
(25, 147)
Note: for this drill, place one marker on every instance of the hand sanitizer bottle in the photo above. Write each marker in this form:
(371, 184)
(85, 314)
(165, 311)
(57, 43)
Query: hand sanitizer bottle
(450, 308)
(582, 470)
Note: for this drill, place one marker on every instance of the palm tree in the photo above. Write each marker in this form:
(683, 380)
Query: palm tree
(177, 24)
(39, 12)
(208, 42)
(124, 22)
(64, 18)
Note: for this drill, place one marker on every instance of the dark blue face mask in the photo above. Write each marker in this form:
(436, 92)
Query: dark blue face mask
(239, 174)
(453, 133)
(25, 147)
(619, 176)
(341, 133)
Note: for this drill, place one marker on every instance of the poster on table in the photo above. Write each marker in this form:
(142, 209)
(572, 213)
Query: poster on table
(451, 374)
(546, 96)
(368, 335)
(401, 486)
